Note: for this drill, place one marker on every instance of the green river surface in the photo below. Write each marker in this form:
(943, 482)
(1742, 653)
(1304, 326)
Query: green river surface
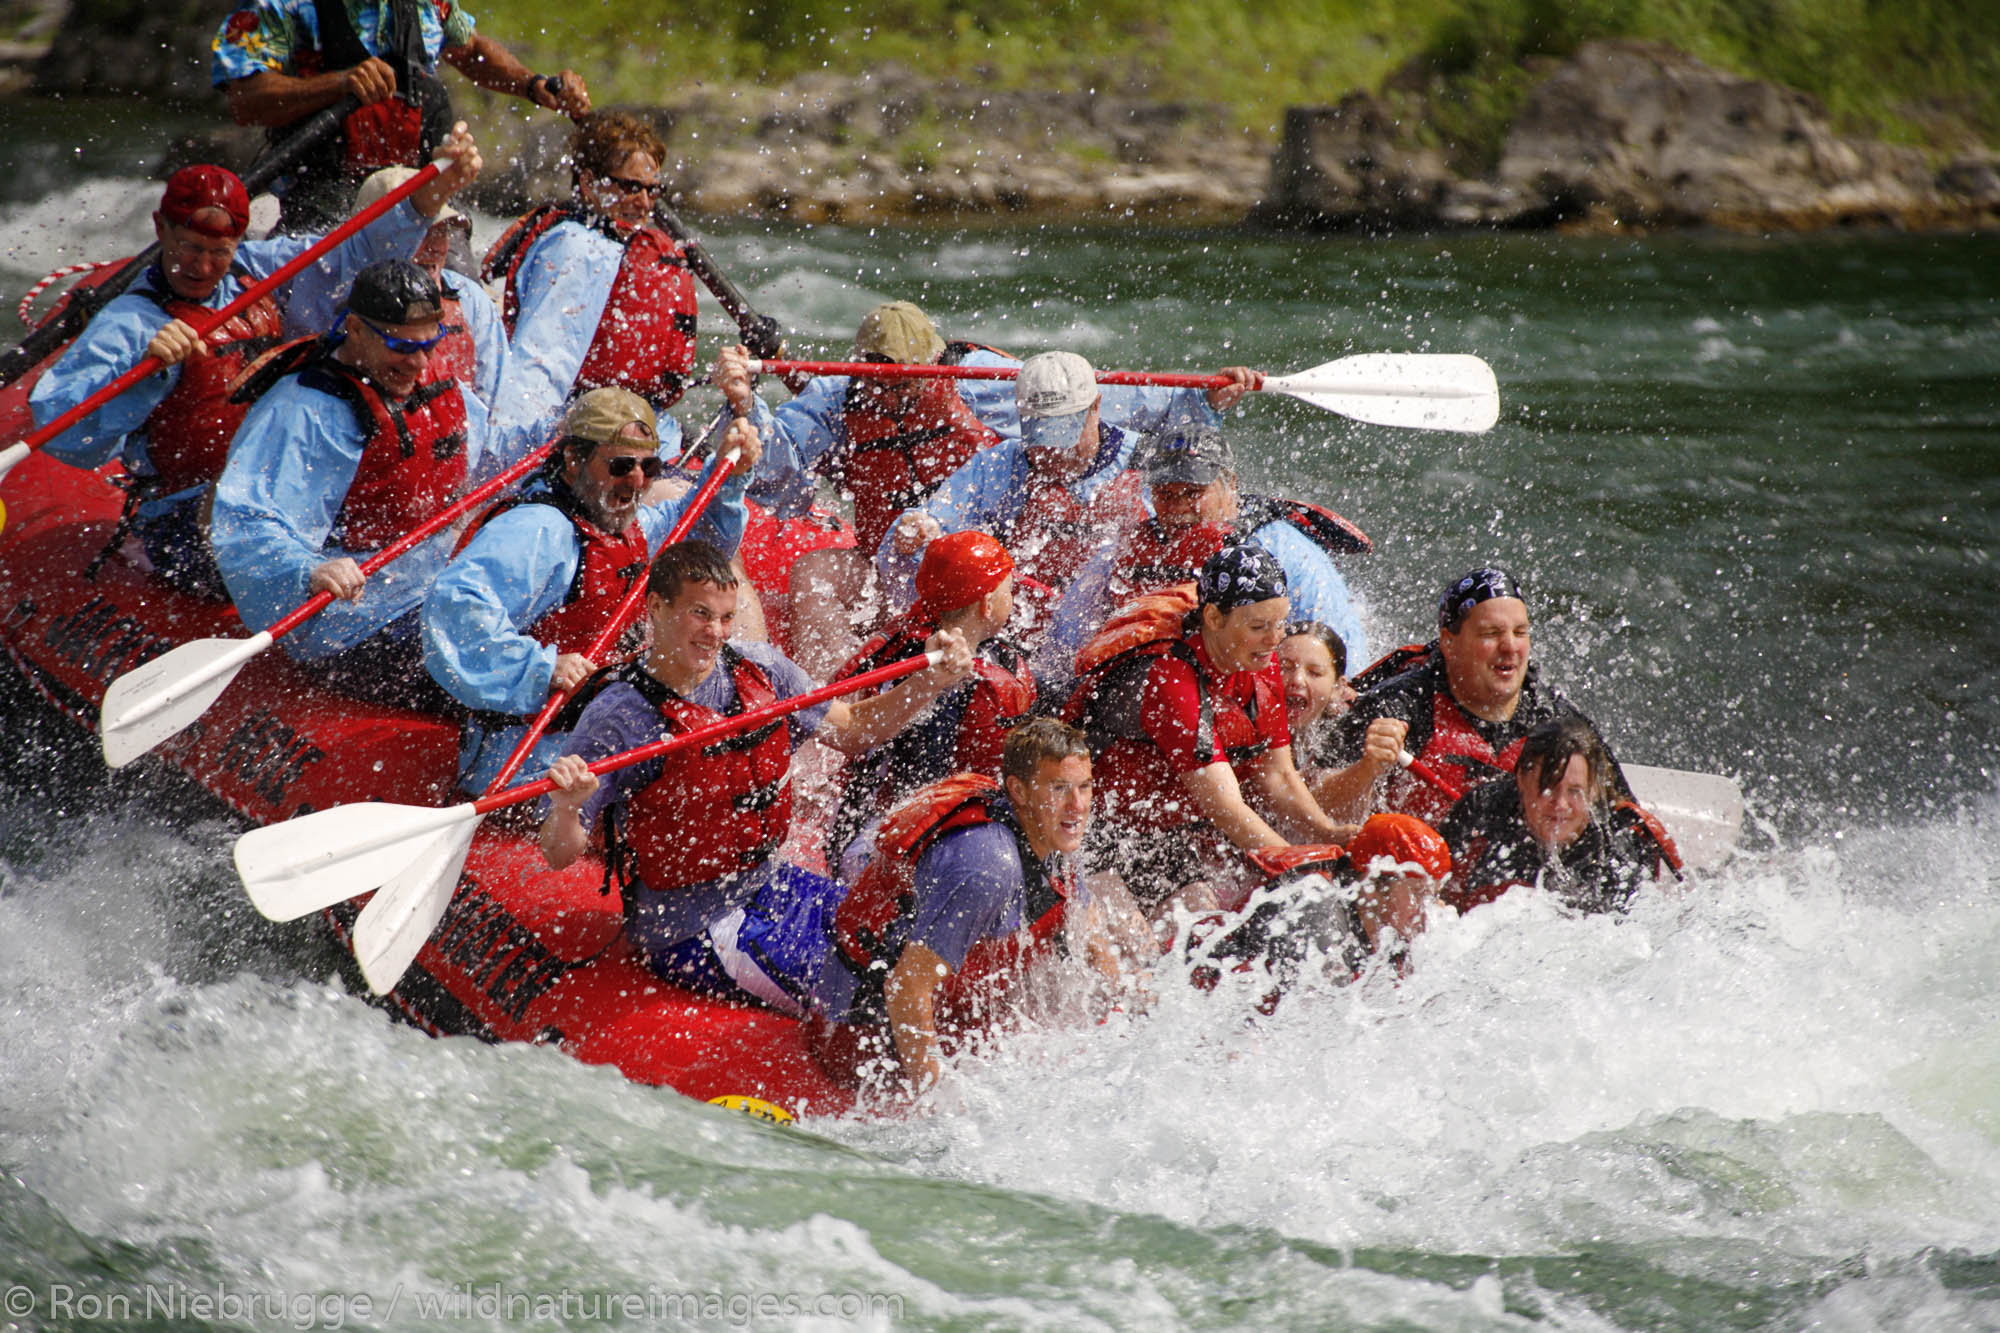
(1750, 486)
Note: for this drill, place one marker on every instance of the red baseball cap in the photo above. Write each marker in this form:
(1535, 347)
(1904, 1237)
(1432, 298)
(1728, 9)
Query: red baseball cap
(193, 190)
(1403, 839)
(959, 568)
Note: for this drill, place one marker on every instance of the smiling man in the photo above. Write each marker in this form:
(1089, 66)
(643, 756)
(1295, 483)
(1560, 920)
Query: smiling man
(1463, 709)
(173, 429)
(508, 621)
(698, 830)
(355, 440)
(971, 883)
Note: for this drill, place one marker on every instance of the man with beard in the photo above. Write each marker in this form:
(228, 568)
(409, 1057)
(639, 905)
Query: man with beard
(507, 623)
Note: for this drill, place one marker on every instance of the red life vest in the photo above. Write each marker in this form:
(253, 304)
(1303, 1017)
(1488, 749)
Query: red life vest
(1156, 559)
(1112, 671)
(413, 461)
(902, 438)
(717, 809)
(644, 341)
(1053, 534)
(972, 997)
(996, 698)
(188, 433)
(1454, 748)
(455, 355)
(607, 566)
(396, 131)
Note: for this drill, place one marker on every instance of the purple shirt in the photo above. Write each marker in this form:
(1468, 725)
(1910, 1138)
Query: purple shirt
(620, 719)
(970, 886)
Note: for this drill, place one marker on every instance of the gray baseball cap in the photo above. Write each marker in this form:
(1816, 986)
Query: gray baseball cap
(1055, 392)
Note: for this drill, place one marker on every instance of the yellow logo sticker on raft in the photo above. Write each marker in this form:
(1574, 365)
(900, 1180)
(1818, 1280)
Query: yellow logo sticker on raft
(753, 1106)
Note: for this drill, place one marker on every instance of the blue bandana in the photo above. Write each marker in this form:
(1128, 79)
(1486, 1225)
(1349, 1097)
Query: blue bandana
(1481, 585)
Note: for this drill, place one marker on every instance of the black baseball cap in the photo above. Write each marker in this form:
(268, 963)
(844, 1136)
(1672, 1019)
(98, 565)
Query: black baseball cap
(395, 291)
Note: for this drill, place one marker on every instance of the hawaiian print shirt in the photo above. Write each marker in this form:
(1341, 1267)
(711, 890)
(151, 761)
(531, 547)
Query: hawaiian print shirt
(283, 35)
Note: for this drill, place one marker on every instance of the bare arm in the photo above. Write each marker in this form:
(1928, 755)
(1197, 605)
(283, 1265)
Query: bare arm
(1219, 798)
(1350, 791)
(493, 67)
(857, 728)
(911, 996)
(1285, 790)
(271, 98)
(562, 836)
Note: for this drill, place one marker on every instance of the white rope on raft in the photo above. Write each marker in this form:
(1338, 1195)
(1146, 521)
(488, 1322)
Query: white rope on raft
(28, 302)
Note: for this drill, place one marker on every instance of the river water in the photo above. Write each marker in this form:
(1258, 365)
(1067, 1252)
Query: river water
(1750, 487)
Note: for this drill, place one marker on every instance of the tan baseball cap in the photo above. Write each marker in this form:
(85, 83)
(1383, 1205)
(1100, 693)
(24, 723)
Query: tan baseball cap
(900, 332)
(599, 415)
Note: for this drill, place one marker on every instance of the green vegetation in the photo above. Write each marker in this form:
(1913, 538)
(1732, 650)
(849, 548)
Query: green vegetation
(1917, 71)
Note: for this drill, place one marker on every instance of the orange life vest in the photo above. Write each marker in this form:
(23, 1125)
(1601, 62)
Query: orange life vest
(972, 997)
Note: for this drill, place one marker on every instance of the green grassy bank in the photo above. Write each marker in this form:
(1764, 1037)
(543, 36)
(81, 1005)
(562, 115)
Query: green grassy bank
(1924, 72)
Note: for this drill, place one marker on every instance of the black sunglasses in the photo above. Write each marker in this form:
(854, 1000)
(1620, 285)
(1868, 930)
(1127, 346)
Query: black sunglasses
(650, 464)
(634, 187)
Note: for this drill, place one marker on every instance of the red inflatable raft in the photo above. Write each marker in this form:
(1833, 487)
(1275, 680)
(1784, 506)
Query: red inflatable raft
(523, 954)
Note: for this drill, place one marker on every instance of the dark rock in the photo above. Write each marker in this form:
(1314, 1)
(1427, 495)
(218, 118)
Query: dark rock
(154, 48)
(1638, 133)
(1354, 165)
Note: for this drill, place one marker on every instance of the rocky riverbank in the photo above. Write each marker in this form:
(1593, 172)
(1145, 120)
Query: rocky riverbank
(1622, 135)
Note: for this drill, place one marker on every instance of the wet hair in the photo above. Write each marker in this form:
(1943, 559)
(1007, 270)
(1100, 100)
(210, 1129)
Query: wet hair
(604, 139)
(1547, 750)
(1034, 741)
(1328, 640)
(688, 562)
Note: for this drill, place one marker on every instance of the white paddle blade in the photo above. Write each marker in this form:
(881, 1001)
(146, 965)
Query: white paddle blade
(1410, 389)
(158, 699)
(394, 925)
(11, 455)
(309, 864)
(1703, 811)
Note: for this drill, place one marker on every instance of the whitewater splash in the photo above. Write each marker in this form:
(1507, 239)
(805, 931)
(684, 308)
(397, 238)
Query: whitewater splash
(1777, 1085)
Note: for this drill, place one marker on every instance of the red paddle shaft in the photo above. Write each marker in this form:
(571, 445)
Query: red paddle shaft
(205, 323)
(729, 726)
(628, 611)
(881, 370)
